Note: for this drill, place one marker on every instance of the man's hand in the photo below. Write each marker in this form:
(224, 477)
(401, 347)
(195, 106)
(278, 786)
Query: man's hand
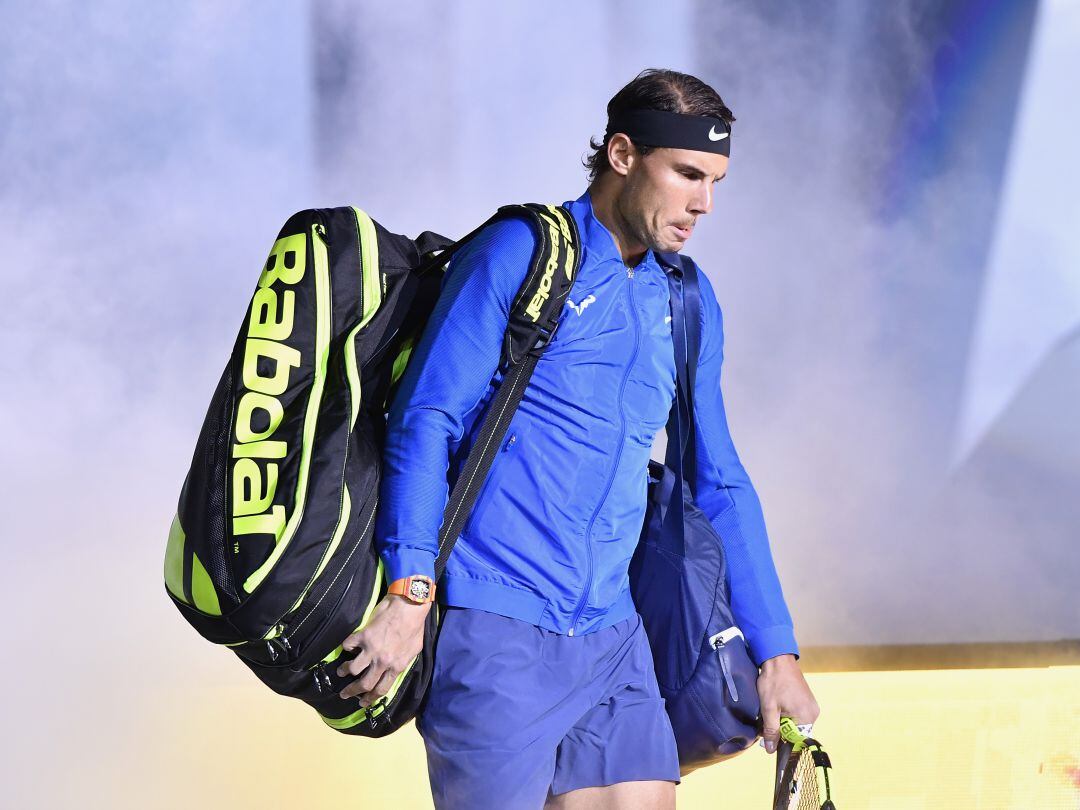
(386, 645)
(783, 692)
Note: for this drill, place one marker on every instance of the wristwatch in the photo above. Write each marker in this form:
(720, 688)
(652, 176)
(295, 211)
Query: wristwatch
(417, 588)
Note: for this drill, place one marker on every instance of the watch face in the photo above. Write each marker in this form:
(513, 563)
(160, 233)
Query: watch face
(419, 589)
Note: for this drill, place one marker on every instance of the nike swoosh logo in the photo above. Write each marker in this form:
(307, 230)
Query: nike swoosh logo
(716, 136)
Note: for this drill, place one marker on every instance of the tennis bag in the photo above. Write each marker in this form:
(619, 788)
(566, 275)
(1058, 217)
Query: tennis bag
(271, 552)
(678, 576)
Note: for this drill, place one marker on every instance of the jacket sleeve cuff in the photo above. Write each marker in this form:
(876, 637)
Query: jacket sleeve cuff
(769, 642)
(405, 562)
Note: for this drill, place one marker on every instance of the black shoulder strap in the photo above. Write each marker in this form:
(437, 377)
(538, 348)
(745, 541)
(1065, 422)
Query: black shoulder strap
(534, 316)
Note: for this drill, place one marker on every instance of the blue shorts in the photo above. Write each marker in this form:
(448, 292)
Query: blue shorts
(516, 712)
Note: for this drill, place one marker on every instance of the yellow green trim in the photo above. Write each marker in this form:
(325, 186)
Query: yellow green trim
(174, 559)
(368, 246)
(369, 264)
(202, 589)
(402, 359)
(333, 656)
(335, 541)
(376, 591)
(322, 346)
(372, 602)
(372, 300)
(353, 375)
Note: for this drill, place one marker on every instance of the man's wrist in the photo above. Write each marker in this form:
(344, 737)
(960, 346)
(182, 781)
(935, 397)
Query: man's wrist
(779, 662)
(398, 599)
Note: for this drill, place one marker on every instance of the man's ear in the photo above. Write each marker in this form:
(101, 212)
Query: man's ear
(621, 153)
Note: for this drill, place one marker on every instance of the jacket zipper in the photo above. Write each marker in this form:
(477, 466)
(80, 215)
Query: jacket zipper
(618, 453)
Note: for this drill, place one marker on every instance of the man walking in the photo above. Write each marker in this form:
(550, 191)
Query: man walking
(543, 691)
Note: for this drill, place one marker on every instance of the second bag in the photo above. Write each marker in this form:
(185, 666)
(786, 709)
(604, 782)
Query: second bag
(678, 578)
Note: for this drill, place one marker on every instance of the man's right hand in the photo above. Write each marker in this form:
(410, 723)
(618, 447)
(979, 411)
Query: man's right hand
(386, 646)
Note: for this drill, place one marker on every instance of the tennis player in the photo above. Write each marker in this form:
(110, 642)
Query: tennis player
(543, 691)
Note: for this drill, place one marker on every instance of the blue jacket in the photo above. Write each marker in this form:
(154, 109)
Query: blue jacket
(556, 523)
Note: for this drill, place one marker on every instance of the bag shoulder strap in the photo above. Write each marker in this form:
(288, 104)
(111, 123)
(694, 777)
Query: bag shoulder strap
(534, 316)
(685, 295)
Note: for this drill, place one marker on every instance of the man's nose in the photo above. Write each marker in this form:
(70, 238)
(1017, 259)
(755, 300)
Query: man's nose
(702, 201)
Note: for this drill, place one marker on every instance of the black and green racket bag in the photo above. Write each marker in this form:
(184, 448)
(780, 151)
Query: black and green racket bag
(271, 552)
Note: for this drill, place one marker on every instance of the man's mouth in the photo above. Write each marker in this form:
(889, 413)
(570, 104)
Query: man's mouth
(684, 232)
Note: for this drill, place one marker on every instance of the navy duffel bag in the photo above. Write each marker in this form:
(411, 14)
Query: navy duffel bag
(679, 584)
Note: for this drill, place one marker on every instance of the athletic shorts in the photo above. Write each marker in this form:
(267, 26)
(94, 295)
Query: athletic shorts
(516, 712)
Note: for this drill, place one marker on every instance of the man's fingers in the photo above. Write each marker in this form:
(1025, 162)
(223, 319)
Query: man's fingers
(356, 665)
(806, 712)
(374, 684)
(381, 688)
(363, 684)
(770, 720)
(354, 641)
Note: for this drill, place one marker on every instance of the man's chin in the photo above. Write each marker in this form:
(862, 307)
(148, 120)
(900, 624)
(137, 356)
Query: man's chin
(670, 246)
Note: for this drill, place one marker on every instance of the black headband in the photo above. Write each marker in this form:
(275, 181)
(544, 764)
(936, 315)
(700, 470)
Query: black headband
(673, 130)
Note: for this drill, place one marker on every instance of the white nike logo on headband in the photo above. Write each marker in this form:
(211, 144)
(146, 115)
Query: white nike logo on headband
(716, 136)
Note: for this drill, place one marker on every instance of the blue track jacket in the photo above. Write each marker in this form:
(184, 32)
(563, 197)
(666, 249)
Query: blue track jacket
(557, 521)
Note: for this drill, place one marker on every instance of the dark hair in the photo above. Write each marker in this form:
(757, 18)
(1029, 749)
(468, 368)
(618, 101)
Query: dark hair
(656, 89)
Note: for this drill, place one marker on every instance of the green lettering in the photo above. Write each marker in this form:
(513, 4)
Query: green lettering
(264, 449)
(251, 402)
(272, 522)
(249, 498)
(266, 320)
(286, 262)
(284, 357)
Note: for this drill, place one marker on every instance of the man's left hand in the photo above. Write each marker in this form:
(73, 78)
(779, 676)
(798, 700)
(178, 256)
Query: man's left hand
(783, 692)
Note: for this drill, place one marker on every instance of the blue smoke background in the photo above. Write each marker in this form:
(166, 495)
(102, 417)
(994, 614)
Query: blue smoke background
(895, 249)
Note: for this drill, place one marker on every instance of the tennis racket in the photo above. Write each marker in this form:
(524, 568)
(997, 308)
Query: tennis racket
(802, 771)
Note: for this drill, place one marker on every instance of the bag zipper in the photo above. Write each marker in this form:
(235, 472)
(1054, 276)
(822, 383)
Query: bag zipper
(287, 630)
(718, 643)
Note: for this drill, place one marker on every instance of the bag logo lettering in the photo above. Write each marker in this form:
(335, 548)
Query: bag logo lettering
(267, 364)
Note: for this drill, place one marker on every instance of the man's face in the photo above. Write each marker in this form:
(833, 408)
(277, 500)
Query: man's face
(665, 193)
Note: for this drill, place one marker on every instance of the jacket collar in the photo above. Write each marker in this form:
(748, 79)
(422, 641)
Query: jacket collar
(599, 241)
